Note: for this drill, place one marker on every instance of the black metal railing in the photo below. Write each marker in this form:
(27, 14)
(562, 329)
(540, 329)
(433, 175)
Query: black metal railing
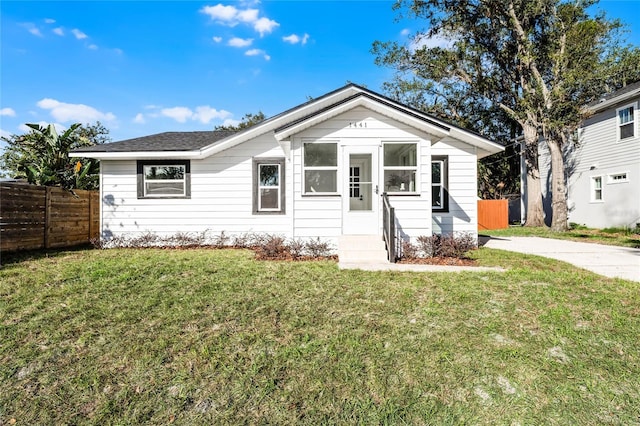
(389, 228)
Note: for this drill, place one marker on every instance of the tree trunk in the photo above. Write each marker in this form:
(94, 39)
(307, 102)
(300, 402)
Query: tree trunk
(559, 221)
(535, 212)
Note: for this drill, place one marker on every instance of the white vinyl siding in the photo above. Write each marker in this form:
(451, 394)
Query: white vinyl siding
(462, 214)
(221, 198)
(360, 127)
(601, 153)
(222, 185)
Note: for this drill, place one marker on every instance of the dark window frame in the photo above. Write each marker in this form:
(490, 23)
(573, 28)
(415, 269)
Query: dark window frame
(444, 185)
(140, 165)
(257, 161)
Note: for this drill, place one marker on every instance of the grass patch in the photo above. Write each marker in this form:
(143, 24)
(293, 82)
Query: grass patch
(611, 236)
(129, 336)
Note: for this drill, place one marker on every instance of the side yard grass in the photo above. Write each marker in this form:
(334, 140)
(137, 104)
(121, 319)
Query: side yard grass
(611, 236)
(150, 336)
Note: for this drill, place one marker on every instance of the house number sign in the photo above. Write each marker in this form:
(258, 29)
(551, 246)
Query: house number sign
(358, 124)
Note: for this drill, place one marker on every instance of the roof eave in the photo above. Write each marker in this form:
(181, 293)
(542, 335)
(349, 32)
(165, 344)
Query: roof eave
(137, 155)
(613, 101)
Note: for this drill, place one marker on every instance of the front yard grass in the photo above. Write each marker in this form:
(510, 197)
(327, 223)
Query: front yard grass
(611, 236)
(128, 336)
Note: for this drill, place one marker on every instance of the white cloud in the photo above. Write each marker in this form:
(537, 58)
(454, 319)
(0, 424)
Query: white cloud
(9, 112)
(265, 26)
(50, 21)
(240, 42)
(180, 114)
(437, 40)
(29, 26)
(248, 15)
(405, 32)
(217, 39)
(139, 118)
(59, 31)
(65, 112)
(258, 52)
(93, 47)
(295, 39)
(230, 122)
(205, 114)
(232, 16)
(118, 51)
(220, 13)
(79, 34)
(4, 134)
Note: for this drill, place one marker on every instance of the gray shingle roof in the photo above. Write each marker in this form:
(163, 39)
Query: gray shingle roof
(168, 141)
(622, 91)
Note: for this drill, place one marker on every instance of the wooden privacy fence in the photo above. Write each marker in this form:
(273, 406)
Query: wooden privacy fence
(493, 214)
(33, 217)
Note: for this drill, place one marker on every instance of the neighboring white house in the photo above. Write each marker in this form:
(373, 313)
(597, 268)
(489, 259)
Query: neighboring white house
(317, 170)
(603, 169)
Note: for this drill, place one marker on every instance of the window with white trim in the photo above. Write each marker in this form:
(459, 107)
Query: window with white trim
(440, 183)
(400, 164)
(268, 184)
(596, 188)
(626, 122)
(618, 177)
(320, 168)
(164, 179)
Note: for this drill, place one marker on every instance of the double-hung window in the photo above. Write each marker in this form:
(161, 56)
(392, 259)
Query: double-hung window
(268, 184)
(320, 168)
(596, 188)
(439, 183)
(164, 179)
(400, 167)
(626, 122)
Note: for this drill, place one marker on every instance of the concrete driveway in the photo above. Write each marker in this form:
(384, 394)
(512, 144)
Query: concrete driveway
(610, 261)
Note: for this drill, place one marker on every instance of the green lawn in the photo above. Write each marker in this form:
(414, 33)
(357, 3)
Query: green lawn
(214, 337)
(610, 236)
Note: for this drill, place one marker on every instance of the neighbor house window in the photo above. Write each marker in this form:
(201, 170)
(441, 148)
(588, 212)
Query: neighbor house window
(440, 183)
(164, 179)
(626, 122)
(618, 178)
(400, 167)
(320, 165)
(268, 186)
(596, 188)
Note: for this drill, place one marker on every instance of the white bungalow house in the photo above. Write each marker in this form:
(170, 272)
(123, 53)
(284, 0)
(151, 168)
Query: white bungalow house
(603, 168)
(317, 170)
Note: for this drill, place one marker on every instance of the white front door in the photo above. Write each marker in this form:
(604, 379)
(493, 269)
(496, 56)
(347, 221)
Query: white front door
(361, 199)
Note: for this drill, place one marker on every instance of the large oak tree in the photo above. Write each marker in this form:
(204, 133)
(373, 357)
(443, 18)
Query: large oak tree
(531, 62)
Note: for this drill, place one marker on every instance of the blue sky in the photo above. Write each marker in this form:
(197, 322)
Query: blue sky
(152, 66)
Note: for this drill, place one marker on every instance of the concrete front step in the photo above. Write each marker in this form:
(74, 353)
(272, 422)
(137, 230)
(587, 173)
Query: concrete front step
(361, 249)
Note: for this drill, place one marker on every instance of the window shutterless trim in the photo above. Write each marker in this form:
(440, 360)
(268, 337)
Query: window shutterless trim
(593, 189)
(256, 185)
(306, 168)
(444, 174)
(140, 165)
(632, 123)
(402, 168)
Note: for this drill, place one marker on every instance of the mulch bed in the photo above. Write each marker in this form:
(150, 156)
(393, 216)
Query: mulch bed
(446, 261)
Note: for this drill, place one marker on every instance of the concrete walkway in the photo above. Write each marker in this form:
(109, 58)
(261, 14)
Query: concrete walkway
(610, 261)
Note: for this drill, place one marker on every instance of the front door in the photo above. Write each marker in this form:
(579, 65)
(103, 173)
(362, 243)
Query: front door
(361, 200)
